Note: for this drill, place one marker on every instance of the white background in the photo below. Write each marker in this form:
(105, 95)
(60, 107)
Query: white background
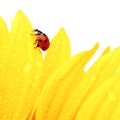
(85, 21)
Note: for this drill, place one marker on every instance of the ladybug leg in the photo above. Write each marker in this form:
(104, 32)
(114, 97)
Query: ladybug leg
(36, 46)
(35, 42)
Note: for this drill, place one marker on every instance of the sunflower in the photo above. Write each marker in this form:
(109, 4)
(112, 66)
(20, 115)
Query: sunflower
(55, 87)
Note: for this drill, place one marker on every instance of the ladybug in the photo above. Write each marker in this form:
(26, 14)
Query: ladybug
(42, 40)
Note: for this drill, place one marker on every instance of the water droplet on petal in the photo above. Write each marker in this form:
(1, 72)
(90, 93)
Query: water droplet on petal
(36, 77)
(117, 70)
(38, 64)
(4, 116)
(119, 110)
(27, 68)
(93, 78)
(112, 96)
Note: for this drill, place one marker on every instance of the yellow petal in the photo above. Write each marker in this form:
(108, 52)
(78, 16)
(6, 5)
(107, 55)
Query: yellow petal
(57, 54)
(89, 107)
(20, 76)
(115, 115)
(3, 41)
(69, 83)
(63, 77)
(3, 31)
(107, 50)
(110, 65)
(89, 83)
(107, 107)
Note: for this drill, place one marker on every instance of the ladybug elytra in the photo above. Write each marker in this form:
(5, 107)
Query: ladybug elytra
(42, 40)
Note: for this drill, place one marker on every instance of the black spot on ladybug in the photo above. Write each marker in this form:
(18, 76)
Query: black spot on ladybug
(46, 41)
(43, 48)
(40, 40)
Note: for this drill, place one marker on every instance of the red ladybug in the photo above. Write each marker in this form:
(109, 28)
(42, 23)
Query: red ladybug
(42, 40)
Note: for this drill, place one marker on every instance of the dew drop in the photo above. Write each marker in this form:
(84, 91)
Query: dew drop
(4, 116)
(117, 70)
(38, 64)
(5, 46)
(111, 96)
(36, 77)
(93, 78)
(27, 68)
(119, 110)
